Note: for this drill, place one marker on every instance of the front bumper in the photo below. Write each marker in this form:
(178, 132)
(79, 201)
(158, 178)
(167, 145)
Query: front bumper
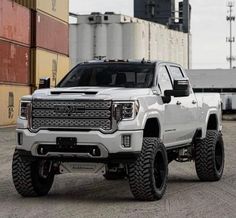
(110, 145)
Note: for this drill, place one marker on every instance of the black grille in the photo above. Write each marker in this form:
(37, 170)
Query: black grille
(48, 114)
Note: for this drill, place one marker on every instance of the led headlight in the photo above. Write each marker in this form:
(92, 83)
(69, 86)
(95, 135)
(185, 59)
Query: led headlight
(25, 107)
(126, 110)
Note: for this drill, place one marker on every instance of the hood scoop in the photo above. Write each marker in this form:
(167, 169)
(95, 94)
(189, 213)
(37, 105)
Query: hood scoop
(73, 92)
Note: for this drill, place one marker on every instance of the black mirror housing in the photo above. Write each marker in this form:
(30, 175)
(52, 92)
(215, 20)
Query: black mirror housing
(44, 83)
(181, 89)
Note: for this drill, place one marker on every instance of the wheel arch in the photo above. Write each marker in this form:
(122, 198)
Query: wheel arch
(152, 126)
(212, 122)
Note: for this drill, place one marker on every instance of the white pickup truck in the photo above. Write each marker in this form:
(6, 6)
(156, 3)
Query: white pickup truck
(125, 119)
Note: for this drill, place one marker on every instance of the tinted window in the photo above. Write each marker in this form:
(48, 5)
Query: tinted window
(176, 72)
(164, 79)
(111, 75)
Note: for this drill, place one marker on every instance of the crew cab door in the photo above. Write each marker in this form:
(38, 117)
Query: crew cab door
(173, 114)
(186, 109)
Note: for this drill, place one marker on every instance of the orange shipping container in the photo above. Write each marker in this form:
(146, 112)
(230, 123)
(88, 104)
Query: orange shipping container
(49, 33)
(14, 63)
(14, 22)
(10, 96)
(56, 8)
(48, 64)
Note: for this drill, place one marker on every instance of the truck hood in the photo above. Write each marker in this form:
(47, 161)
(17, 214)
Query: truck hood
(92, 93)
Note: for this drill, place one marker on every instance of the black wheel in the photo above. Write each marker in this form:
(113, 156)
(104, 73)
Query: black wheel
(27, 179)
(148, 175)
(209, 157)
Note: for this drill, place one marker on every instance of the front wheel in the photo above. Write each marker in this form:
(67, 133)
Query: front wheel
(209, 157)
(28, 180)
(148, 175)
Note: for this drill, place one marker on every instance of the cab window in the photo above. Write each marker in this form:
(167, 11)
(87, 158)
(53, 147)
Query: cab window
(164, 81)
(176, 72)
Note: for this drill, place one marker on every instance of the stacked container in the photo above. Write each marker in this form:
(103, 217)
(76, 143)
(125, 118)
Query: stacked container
(14, 59)
(50, 39)
(33, 44)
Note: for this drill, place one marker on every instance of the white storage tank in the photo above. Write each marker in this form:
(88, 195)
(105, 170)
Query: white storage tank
(116, 36)
(100, 38)
(115, 41)
(134, 41)
(85, 43)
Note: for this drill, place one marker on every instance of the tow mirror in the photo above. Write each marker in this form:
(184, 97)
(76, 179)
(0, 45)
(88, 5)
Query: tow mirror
(181, 89)
(44, 83)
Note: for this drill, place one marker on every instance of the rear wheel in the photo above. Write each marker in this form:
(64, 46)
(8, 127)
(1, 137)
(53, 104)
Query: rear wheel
(148, 175)
(209, 157)
(31, 178)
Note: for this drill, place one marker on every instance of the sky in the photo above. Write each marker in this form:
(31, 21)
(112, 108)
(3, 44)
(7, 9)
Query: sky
(209, 27)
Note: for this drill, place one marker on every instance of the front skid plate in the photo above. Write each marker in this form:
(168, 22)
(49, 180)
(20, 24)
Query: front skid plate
(77, 167)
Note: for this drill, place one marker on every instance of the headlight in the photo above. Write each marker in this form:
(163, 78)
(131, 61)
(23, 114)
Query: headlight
(126, 110)
(25, 107)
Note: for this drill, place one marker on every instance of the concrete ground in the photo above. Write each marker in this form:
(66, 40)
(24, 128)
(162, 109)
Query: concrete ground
(92, 196)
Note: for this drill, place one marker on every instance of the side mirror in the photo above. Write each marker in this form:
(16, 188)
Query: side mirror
(44, 83)
(181, 89)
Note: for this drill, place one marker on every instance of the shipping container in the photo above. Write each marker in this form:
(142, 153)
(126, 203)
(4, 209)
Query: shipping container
(56, 8)
(14, 22)
(48, 64)
(10, 96)
(49, 33)
(14, 63)
(122, 37)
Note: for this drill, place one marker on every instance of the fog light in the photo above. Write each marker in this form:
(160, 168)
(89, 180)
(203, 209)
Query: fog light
(20, 138)
(126, 141)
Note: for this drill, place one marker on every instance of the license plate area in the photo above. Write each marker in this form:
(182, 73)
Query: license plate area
(63, 142)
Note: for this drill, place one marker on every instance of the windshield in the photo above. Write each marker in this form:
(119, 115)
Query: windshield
(111, 75)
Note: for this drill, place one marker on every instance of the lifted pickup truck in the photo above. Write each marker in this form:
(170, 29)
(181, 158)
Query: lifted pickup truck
(120, 118)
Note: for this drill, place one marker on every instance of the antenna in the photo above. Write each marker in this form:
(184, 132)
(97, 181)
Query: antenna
(231, 38)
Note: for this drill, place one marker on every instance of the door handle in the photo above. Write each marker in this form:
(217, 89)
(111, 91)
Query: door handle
(194, 102)
(178, 103)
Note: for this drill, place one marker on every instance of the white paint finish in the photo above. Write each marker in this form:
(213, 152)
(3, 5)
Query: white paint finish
(124, 37)
(178, 123)
(106, 142)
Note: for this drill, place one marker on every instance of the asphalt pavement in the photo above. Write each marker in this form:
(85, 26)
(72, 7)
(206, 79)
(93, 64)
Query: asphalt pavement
(88, 195)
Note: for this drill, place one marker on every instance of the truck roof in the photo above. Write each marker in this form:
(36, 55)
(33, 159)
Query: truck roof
(131, 61)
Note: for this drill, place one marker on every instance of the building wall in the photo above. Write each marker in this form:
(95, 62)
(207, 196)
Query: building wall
(154, 10)
(123, 37)
(10, 96)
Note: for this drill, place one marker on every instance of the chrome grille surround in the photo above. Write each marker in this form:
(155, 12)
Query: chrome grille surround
(72, 114)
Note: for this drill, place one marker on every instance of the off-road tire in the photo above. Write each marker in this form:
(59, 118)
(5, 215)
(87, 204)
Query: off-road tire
(209, 157)
(26, 178)
(149, 174)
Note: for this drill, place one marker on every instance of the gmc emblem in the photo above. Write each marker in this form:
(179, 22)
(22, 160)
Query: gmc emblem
(70, 109)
